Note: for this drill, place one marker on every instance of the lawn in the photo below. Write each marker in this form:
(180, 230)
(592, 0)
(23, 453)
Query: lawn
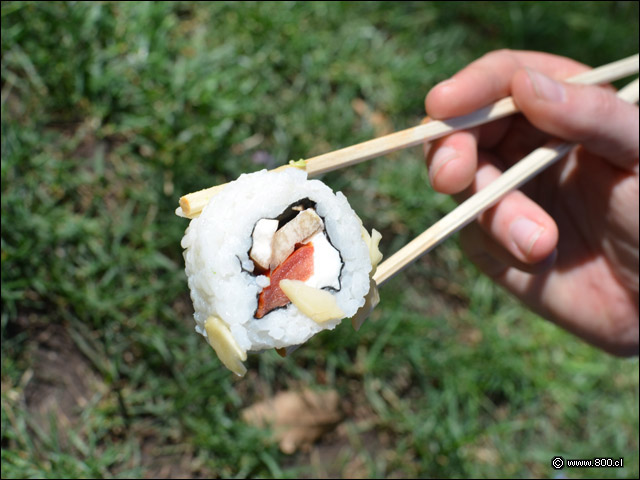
(112, 110)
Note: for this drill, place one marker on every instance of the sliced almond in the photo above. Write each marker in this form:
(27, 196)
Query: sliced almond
(372, 241)
(373, 297)
(365, 235)
(319, 305)
(303, 226)
(225, 346)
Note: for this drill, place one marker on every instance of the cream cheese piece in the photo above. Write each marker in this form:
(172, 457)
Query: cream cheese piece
(262, 237)
(228, 351)
(326, 263)
(319, 305)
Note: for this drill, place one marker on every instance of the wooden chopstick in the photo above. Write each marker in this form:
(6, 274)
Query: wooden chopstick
(192, 204)
(466, 212)
(439, 128)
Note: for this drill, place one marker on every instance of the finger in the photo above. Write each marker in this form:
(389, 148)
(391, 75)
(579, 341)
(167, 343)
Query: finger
(489, 78)
(590, 115)
(517, 223)
(451, 162)
(492, 258)
(458, 152)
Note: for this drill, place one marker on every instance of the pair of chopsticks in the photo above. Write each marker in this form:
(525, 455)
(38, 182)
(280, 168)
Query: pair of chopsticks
(192, 204)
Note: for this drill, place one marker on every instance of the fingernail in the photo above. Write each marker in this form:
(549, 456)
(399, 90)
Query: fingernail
(445, 86)
(442, 156)
(525, 233)
(546, 88)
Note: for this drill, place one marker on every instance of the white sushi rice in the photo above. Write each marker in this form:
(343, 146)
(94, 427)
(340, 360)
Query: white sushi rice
(217, 245)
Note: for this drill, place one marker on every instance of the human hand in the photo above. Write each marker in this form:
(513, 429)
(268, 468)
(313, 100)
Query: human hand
(566, 244)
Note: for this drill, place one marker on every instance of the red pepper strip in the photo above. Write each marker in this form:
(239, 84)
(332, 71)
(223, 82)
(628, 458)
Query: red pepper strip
(297, 266)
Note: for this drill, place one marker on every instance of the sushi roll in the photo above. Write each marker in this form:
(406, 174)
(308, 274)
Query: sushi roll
(273, 259)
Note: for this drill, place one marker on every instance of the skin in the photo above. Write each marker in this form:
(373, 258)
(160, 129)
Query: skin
(566, 244)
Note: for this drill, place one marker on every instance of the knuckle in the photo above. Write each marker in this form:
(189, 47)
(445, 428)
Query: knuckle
(606, 103)
(599, 105)
(586, 114)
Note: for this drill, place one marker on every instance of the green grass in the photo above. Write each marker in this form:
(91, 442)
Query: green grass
(111, 111)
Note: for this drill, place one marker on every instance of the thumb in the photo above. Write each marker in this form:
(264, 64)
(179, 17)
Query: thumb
(590, 115)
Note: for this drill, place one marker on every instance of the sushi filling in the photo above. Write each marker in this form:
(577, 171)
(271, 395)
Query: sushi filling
(293, 246)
